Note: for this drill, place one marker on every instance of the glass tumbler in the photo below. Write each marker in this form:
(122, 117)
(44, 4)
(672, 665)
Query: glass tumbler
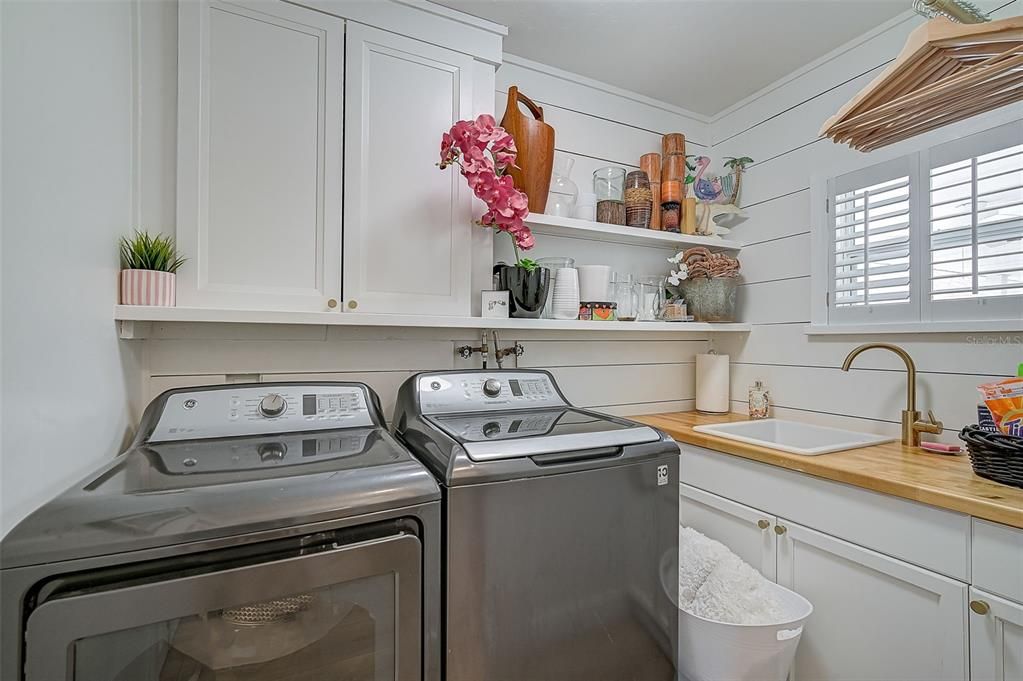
(626, 295)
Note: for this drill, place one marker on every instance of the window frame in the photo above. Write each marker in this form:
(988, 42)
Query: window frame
(920, 309)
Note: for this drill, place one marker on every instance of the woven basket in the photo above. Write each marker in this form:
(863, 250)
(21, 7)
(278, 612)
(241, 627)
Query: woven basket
(995, 456)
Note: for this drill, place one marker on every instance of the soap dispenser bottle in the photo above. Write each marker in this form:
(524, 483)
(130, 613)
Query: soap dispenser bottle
(759, 401)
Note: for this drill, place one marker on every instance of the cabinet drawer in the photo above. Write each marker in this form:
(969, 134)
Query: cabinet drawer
(923, 535)
(998, 559)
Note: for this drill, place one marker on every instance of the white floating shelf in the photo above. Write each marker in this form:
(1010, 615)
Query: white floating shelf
(127, 315)
(632, 236)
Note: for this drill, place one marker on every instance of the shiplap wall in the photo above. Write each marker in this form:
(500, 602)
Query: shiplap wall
(596, 125)
(624, 373)
(779, 128)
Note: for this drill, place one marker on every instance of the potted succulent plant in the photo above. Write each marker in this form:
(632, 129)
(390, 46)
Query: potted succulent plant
(484, 152)
(148, 264)
(707, 281)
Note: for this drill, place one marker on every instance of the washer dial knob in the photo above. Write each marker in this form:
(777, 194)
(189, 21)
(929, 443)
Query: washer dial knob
(491, 387)
(272, 451)
(272, 405)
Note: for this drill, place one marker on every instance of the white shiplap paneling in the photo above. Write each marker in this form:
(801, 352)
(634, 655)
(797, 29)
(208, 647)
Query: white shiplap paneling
(779, 129)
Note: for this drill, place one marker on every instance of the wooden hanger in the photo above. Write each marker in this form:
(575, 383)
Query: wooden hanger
(945, 73)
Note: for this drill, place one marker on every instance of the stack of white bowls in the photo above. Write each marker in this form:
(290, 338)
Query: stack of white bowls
(566, 294)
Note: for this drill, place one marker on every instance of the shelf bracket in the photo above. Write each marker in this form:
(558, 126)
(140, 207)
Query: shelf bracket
(128, 329)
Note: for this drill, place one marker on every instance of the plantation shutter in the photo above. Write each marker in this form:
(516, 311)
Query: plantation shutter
(871, 230)
(975, 201)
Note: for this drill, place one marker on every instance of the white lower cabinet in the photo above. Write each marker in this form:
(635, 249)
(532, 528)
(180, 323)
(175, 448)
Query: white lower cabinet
(996, 638)
(875, 617)
(746, 531)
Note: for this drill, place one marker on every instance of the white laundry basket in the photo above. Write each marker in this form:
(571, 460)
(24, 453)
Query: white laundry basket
(716, 651)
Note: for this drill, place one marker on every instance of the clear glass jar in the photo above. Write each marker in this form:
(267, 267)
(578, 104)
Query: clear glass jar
(609, 184)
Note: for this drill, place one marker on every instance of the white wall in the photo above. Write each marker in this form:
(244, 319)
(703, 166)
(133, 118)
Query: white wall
(778, 128)
(67, 180)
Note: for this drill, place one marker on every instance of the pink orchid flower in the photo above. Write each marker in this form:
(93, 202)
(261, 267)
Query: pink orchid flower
(466, 145)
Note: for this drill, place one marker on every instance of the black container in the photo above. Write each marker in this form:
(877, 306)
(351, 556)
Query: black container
(995, 456)
(527, 291)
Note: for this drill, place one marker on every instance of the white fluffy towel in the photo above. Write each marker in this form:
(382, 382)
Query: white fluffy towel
(716, 584)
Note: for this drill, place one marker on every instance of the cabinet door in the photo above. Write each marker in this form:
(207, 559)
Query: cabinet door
(259, 155)
(996, 638)
(875, 617)
(746, 531)
(407, 238)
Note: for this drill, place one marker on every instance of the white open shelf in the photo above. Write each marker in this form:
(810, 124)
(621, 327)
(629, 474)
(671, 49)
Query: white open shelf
(127, 315)
(633, 236)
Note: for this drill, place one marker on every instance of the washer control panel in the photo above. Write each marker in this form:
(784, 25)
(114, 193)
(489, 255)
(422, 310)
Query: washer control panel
(256, 410)
(479, 391)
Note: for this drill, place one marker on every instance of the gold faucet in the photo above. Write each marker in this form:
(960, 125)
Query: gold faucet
(912, 426)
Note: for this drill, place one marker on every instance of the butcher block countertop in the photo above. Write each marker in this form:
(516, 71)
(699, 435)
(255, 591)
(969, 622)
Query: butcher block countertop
(936, 479)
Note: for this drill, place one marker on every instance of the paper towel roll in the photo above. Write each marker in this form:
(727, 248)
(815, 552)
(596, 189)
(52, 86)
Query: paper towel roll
(712, 384)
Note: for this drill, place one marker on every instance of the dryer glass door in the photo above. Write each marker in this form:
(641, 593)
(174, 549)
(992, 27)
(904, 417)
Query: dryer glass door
(352, 612)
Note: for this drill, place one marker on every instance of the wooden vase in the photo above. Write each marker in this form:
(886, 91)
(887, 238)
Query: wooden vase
(535, 142)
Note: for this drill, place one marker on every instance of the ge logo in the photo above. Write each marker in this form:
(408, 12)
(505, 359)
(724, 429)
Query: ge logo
(189, 404)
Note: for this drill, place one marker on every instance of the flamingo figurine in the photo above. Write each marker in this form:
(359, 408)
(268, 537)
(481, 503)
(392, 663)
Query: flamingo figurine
(706, 190)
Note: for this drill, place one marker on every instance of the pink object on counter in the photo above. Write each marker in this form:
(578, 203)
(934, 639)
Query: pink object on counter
(147, 287)
(940, 448)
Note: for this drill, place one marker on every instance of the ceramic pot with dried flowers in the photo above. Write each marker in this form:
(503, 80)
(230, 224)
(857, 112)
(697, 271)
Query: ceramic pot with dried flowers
(707, 281)
(148, 264)
(484, 152)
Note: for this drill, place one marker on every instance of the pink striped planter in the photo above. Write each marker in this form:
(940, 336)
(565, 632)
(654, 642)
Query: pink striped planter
(147, 287)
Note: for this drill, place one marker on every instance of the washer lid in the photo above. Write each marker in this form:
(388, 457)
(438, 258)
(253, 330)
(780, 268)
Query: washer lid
(523, 433)
(165, 494)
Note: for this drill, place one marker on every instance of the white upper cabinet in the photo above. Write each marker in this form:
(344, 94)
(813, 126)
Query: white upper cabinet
(407, 224)
(260, 92)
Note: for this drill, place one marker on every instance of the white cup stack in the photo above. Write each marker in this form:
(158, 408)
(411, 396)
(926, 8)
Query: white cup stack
(566, 294)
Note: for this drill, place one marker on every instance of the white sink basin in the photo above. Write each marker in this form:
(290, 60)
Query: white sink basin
(793, 436)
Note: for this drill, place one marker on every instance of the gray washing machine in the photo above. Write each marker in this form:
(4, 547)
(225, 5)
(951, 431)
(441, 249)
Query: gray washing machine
(257, 532)
(560, 526)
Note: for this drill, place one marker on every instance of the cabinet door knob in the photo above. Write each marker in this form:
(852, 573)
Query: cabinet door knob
(779, 529)
(352, 304)
(763, 524)
(332, 303)
(980, 607)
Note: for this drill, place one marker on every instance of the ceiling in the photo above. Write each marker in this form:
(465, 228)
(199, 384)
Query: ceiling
(701, 55)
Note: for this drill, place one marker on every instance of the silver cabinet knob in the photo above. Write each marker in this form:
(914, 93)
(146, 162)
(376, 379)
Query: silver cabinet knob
(272, 405)
(491, 387)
